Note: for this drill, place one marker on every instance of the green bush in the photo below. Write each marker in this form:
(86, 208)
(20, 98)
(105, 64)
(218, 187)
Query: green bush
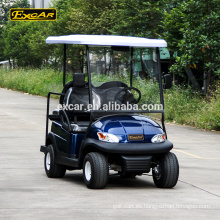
(33, 81)
(185, 107)
(209, 116)
(181, 105)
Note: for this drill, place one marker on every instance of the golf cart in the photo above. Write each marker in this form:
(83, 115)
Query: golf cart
(102, 122)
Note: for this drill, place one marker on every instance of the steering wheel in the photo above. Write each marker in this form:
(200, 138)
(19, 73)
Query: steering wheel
(125, 89)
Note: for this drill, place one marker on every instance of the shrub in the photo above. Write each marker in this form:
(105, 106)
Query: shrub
(181, 104)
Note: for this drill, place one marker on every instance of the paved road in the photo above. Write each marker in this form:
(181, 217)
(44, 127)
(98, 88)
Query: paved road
(26, 192)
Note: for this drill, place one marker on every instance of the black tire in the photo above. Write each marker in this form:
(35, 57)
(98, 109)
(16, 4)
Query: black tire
(97, 178)
(168, 171)
(52, 169)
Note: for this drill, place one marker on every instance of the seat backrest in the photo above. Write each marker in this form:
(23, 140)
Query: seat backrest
(79, 80)
(112, 84)
(108, 90)
(78, 94)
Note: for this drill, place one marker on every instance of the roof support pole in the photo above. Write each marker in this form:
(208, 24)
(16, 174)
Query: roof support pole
(131, 64)
(161, 88)
(64, 66)
(89, 74)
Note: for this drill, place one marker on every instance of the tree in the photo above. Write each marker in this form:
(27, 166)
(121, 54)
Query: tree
(141, 18)
(37, 42)
(5, 6)
(193, 29)
(91, 17)
(138, 18)
(87, 17)
(16, 36)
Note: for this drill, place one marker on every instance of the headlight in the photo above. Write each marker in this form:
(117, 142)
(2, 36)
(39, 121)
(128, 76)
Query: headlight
(158, 138)
(107, 137)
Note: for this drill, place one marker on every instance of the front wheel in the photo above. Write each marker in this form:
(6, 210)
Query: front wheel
(95, 170)
(166, 171)
(52, 169)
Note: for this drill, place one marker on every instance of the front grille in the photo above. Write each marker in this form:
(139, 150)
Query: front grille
(140, 164)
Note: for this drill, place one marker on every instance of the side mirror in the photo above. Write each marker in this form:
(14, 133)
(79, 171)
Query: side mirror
(167, 81)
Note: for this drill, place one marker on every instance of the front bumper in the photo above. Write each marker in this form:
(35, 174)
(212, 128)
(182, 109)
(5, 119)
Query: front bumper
(129, 148)
(138, 164)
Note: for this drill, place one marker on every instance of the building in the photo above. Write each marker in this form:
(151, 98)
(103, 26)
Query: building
(40, 3)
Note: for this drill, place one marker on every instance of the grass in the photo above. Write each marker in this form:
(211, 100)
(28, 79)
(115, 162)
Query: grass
(33, 81)
(181, 105)
(184, 107)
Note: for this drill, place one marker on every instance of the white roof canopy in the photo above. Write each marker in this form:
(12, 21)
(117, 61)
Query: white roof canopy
(106, 40)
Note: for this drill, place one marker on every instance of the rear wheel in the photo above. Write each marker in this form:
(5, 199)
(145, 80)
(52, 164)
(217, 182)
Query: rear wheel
(95, 170)
(166, 171)
(52, 169)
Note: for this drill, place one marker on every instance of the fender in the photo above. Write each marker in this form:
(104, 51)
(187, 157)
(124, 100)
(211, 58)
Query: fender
(84, 149)
(51, 140)
(61, 158)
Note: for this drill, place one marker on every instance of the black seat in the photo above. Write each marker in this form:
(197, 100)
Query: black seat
(112, 84)
(78, 94)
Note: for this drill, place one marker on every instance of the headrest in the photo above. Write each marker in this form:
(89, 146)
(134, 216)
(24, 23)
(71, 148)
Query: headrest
(79, 80)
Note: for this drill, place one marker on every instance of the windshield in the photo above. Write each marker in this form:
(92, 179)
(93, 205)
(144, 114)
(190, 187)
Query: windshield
(113, 87)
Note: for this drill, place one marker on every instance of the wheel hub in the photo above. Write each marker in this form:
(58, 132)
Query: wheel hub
(88, 171)
(48, 161)
(157, 171)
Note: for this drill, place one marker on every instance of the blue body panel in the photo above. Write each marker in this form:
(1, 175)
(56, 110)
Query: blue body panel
(123, 125)
(76, 140)
(119, 125)
(68, 143)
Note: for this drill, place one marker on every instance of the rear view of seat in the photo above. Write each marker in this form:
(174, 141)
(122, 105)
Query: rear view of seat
(76, 96)
(79, 93)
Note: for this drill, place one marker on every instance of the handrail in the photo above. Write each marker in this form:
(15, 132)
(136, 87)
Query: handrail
(48, 107)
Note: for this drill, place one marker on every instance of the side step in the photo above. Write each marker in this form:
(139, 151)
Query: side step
(71, 162)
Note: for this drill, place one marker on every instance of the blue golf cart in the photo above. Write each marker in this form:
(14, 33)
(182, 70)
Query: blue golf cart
(104, 118)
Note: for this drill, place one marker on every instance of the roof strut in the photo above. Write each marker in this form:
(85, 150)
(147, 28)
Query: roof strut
(64, 66)
(131, 64)
(89, 75)
(161, 89)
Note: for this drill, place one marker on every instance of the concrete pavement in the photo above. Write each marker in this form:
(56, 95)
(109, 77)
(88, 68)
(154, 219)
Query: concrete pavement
(26, 192)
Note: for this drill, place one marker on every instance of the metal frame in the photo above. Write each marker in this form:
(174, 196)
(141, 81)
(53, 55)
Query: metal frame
(89, 74)
(48, 108)
(131, 66)
(161, 89)
(90, 89)
(64, 66)
(131, 77)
